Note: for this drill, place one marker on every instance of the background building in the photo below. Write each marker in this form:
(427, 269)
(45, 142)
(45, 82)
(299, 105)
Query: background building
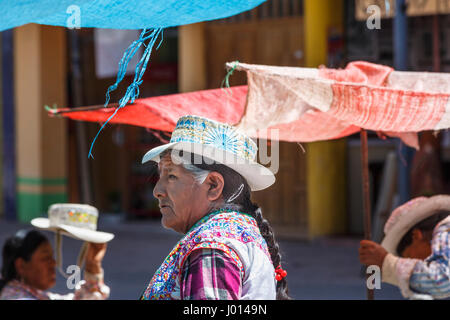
(318, 190)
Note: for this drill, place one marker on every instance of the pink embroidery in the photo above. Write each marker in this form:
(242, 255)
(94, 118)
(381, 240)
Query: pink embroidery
(207, 233)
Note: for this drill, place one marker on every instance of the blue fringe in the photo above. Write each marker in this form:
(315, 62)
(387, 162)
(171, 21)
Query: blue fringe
(150, 35)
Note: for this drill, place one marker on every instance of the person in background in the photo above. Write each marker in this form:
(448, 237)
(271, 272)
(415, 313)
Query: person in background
(29, 270)
(415, 252)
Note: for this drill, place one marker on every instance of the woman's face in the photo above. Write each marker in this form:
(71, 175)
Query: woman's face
(182, 200)
(39, 271)
(420, 248)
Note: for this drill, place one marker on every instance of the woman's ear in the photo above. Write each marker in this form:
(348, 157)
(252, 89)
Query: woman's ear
(215, 183)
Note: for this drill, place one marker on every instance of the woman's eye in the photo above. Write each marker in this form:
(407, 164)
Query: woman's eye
(171, 176)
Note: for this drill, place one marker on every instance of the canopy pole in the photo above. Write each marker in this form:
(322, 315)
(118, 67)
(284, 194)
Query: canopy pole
(366, 195)
(436, 44)
(400, 38)
(8, 126)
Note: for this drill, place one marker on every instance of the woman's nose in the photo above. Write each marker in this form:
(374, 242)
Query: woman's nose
(158, 190)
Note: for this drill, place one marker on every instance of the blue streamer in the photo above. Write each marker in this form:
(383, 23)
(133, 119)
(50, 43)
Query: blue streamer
(133, 89)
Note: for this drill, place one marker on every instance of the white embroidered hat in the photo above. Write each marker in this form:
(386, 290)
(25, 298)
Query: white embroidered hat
(78, 221)
(219, 142)
(408, 215)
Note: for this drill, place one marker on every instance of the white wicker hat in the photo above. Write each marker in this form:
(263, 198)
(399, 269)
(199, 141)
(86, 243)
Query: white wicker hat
(408, 215)
(219, 142)
(78, 221)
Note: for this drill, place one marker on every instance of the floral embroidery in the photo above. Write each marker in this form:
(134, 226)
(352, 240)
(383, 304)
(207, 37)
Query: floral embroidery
(225, 137)
(75, 216)
(209, 232)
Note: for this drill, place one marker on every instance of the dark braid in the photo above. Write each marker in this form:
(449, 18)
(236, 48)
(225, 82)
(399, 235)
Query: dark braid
(267, 232)
(233, 181)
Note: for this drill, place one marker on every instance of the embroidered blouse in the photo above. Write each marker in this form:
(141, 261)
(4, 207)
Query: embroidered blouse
(423, 279)
(234, 242)
(91, 288)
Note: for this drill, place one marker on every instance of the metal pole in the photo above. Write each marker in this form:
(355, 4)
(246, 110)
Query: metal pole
(9, 150)
(400, 36)
(366, 195)
(436, 45)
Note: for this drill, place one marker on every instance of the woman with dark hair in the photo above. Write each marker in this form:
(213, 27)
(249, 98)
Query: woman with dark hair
(241, 202)
(415, 253)
(228, 251)
(28, 270)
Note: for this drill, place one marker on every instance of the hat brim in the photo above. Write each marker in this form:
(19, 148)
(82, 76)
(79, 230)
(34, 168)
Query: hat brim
(421, 211)
(74, 232)
(257, 176)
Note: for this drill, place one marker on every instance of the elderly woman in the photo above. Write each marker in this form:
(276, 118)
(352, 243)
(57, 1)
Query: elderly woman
(228, 251)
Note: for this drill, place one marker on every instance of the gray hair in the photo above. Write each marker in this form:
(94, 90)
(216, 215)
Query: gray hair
(198, 174)
(201, 174)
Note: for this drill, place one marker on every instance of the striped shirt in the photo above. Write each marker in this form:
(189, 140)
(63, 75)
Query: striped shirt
(423, 279)
(432, 276)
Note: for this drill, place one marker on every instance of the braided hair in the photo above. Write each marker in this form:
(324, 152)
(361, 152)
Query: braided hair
(22, 245)
(237, 195)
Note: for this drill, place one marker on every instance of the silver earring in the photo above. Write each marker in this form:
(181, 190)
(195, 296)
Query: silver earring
(236, 194)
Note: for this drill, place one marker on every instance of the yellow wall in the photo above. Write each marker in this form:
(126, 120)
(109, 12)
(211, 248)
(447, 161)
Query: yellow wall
(319, 16)
(325, 160)
(191, 57)
(41, 156)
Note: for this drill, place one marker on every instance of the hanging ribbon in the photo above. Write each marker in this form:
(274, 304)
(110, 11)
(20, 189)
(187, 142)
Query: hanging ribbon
(147, 35)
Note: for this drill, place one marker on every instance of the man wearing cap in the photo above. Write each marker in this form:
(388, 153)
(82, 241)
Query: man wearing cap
(414, 255)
